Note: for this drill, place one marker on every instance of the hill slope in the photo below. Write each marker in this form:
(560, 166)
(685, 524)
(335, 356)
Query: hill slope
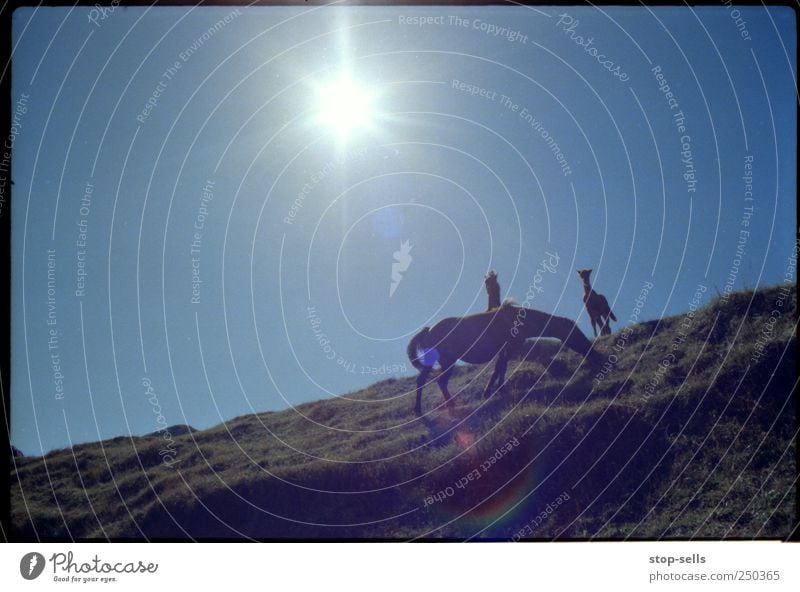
(687, 431)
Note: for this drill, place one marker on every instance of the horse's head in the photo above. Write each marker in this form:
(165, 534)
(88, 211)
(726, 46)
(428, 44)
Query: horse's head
(584, 274)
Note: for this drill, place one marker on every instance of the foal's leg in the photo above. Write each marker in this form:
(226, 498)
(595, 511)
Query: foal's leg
(606, 329)
(421, 380)
(594, 328)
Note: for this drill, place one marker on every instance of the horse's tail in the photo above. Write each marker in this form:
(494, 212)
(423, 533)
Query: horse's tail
(414, 347)
(611, 314)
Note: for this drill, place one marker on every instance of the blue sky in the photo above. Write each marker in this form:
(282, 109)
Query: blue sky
(205, 120)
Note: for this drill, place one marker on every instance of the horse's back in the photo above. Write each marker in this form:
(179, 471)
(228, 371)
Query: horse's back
(474, 338)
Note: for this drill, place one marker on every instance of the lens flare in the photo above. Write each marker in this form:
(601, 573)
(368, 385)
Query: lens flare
(346, 106)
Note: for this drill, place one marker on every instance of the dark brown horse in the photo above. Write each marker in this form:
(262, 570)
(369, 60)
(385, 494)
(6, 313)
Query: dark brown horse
(479, 338)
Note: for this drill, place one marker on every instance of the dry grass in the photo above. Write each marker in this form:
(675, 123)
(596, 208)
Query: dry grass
(695, 458)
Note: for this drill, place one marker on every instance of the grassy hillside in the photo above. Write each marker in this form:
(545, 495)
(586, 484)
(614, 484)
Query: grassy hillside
(706, 450)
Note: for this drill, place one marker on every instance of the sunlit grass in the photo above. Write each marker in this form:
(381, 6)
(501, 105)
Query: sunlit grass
(578, 428)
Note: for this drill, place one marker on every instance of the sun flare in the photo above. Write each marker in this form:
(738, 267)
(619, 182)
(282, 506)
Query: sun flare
(346, 106)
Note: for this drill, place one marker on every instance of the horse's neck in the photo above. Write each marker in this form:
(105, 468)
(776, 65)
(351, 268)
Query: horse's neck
(587, 288)
(530, 323)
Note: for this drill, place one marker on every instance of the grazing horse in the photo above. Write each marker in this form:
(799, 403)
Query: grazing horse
(479, 338)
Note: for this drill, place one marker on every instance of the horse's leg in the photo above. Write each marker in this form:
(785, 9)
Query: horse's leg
(594, 328)
(444, 377)
(421, 380)
(489, 390)
(499, 375)
(502, 362)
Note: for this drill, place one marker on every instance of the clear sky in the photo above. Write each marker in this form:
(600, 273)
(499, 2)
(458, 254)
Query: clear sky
(208, 201)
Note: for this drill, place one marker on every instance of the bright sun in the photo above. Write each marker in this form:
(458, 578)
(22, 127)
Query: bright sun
(346, 106)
